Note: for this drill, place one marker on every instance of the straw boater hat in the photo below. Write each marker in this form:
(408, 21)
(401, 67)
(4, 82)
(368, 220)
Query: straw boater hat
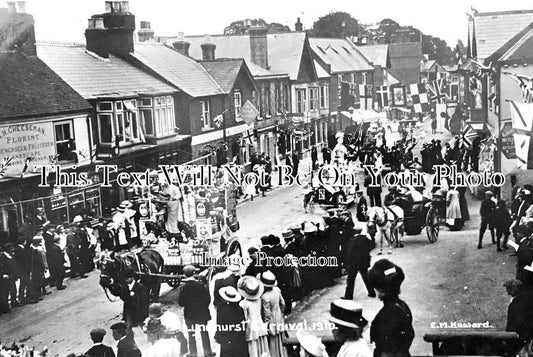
(268, 279)
(229, 293)
(250, 288)
(121, 208)
(127, 204)
(347, 313)
(77, 219)
(311, 344)
(287, 234)
(308, 227)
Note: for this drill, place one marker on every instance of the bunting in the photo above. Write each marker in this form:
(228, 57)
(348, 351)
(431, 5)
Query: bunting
(218, 120)
(437, 90)
(522, 116)
(467, 136)
(525, 83)
(382, 93)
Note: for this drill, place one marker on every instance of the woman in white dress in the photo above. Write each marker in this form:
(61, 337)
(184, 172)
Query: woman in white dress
(256, 331)
(454, 219)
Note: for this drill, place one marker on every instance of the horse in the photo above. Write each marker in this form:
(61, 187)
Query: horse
(389, 222)
(113, 265)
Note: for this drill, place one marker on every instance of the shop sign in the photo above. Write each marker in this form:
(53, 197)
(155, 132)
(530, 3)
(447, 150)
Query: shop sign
(507, 137)
(248, 112)
(22, 141)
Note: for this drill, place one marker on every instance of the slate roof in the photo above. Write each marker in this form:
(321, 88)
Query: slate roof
(93, 77)
(179, 70)
(518, 48)
(405, 60)
(28, 88)
(340, 54)
(225, 71)
(425, 66)
(377, 54)
(494, 29)
(321, 72)
(285, 50)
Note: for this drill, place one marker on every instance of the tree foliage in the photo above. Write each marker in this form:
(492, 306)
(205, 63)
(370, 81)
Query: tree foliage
(336, 25)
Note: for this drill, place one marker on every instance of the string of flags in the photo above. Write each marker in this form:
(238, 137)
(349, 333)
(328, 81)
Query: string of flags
(522, 118)
(525, 83)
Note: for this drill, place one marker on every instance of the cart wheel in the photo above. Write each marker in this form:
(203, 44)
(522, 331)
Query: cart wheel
(233, 247)
(432, 225)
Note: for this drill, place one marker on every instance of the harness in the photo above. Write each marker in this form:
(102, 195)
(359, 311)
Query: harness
(381, 225)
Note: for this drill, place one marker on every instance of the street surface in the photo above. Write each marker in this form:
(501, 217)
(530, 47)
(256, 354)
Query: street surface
(448, 281)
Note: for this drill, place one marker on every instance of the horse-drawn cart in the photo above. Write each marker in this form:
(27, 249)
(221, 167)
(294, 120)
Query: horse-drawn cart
(425, 213)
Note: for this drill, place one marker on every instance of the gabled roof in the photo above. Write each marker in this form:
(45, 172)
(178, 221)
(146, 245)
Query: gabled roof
(518, 48)
(494, 29)
(29, 88)
(340, 54)
(179, 70)
(94, 77)
(426, 66)
(321, 72)
(405, 60)
(285, 50)
(390, 78)
(226, 71)
(377, 54)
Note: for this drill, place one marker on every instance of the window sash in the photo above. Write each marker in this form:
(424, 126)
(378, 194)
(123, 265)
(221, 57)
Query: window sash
(300, 100)
(237, 99)
(105, 128)
(104, 106)
(313, 98)
(206, 114)
(147, 120)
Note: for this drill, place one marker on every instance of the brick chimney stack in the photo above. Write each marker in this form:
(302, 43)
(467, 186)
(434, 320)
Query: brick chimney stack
(21, 7)
(298, 26)
(11, 7)
(208, 49)
(259, 46)
(116, 34)
(145, 33)
(181, 45)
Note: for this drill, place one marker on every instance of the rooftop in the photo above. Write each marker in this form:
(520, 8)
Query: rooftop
(340, 54)
(179, 70)
(494, 29)
(29, 88)
(518, 48)
(225, 71)
(94, 77)
(377, 54)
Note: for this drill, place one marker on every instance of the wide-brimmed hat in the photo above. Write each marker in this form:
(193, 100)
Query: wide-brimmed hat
(250, 288)
(268, 279)
(126, 204)
(77, 219)
(347, 313)
(309, 227)
(311, 344)
(121, 208)
(229, 293)
(287, 234)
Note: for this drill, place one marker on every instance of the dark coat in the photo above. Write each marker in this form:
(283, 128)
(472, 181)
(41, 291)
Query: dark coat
(128, 348)
(56, 260)
(392, 329)
(520, 313)
(194, 297)
(501, 218)
(37, 262)
(230, 331)
(100, 351)
(487, 206)
(21, 260)
(231, 280)
(357, 251)
(362, 208)
(135, 302)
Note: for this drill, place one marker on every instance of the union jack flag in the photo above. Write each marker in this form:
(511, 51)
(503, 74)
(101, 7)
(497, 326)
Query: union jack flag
(467, 136)
(437, 90)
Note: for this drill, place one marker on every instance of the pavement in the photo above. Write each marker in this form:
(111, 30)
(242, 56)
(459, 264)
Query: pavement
(450, 280)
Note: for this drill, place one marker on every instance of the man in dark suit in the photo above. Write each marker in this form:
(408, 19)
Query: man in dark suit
(21, 260)
(6, 274)
(136, 301)
(295, 162)
(486, 210)
(56, 263)
(73, 249)
(362, 207)
(99, 349)
(228, 278)
(126, 346)
(195, 299)
(357, 260)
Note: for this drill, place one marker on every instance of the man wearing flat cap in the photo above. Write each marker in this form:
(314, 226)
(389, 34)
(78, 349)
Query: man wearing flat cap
(126, 346)
(99, 349)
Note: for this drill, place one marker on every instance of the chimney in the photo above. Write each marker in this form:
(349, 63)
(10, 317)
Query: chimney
(259, 46)
(21, 7)
(298, 26)
(111, 32)
(181, 45)
(208, 49)
(11, 7)
(145, 33)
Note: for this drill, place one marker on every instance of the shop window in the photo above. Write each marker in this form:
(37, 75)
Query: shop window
(64, 140)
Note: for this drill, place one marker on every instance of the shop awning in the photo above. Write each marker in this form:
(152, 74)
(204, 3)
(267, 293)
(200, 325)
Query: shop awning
(366, 116)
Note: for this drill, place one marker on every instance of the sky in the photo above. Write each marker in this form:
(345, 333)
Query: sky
(66, 20)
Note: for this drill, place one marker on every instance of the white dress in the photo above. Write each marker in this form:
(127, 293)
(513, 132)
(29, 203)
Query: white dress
(357, 348)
